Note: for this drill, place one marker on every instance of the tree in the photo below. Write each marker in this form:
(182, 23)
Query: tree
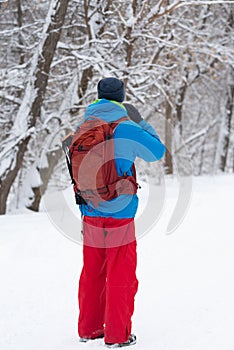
(15, 145)
(225, 134)
(176, 62)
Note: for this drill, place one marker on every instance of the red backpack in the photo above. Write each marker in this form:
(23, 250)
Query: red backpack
(92, 164)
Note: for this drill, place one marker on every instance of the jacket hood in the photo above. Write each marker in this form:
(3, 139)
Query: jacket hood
(106, 110)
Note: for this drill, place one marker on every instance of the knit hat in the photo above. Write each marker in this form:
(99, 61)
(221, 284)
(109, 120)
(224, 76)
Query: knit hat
(111, 89)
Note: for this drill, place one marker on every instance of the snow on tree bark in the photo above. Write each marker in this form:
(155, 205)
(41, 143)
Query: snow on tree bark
(227, 123)
(92, 20)
(16, 144)
(163, 54)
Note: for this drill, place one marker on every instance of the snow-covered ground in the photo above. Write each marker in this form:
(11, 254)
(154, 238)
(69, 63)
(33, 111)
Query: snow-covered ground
(185, 299)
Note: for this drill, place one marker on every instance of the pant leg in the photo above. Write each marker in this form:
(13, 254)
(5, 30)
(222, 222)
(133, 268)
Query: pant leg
(92, 286)
(122, 284)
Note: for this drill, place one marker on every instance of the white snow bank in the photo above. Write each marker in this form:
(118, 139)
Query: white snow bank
(185, 299)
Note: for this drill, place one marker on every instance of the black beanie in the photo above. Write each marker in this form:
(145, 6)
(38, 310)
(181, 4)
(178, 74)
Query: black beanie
(111, 89)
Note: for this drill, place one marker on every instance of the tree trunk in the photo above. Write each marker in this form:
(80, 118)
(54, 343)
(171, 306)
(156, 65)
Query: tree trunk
(168, 139)
(30, 108)
(227, 125)
(87, 75)
(5, 185)
(20, 24)
(45, 174)
(179, 105)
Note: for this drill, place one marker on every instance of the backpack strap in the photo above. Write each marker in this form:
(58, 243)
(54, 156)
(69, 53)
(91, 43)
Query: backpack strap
(117, 122)
(66, 142)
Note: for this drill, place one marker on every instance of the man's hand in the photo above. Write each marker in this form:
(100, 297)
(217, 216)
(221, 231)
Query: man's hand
(133, 113)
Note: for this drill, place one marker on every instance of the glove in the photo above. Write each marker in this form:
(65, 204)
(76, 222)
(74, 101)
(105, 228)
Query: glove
(133, 113)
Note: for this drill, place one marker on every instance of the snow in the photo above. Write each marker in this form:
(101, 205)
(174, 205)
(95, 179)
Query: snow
(185, 298)
(20, 129)
(34, 178)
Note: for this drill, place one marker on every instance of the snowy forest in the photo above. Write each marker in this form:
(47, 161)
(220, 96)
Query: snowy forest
(177, 62)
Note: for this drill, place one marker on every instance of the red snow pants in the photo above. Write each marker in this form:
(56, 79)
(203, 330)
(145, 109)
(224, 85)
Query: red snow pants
(108, 282)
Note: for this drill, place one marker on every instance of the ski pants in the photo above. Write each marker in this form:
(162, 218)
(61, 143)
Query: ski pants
(108, 282)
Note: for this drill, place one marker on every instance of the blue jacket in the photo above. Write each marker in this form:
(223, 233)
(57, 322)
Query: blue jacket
(131, 140)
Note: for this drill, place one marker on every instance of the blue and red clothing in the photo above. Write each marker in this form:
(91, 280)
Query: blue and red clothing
(108, 282)
(131, 140)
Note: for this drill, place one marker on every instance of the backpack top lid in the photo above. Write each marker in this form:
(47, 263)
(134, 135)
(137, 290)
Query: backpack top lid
(93, 131)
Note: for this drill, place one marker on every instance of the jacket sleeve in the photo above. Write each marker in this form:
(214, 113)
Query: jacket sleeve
(147, 127)
(139, 140)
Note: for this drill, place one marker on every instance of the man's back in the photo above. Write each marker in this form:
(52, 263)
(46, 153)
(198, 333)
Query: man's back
(131, 140)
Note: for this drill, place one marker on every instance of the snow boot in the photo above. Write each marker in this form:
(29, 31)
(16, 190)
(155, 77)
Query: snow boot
(85, 340)
(130, 341)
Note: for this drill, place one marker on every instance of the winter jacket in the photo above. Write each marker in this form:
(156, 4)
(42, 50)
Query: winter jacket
(131, 140)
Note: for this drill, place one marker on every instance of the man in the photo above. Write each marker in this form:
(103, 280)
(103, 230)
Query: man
(108, 282)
